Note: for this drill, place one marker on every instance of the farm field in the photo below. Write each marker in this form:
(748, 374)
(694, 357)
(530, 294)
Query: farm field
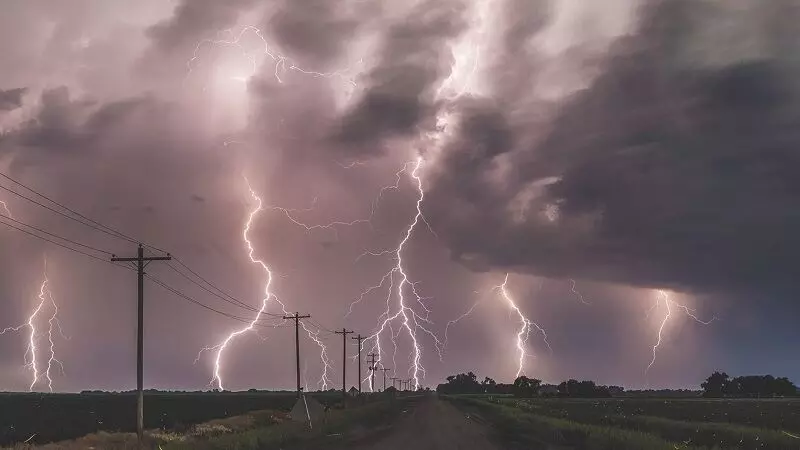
(41, 418)
(640, 423)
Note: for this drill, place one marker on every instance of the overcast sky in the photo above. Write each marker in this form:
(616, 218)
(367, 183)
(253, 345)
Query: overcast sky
(595, 153)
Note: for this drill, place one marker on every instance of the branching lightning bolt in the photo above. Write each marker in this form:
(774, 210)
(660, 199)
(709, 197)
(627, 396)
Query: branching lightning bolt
(668, 304)
(525, 327)
(32, 350)
(324, 380)
(282, 63)
(410, 320)
(268, 295)
(222, 346)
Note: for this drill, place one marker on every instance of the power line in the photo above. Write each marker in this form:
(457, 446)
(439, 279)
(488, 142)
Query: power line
(57, 236)
(203, 305)
(49, 208)
(54, 242)
(98, 226)
(230, 300)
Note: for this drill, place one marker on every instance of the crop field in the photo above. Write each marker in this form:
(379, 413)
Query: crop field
(642, 423)
(41, 418)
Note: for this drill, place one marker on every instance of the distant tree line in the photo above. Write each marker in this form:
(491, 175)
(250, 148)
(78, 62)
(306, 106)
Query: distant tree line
(720, 384)
(524, 387)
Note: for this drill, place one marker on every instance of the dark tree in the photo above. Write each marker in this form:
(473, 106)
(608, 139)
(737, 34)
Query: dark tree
(463, 383)
(489, 385)
(717, 385)
(582, 389)
(525, 387)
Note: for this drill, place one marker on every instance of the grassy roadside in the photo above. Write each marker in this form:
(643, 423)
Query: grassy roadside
(265, 429)
(341, 428)
(519, 427)
(700, 434)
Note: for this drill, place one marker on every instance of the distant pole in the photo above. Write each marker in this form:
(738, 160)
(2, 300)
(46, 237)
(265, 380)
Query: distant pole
(140, 261)
(359, 338)
(296, 317)
(344, 334)
(384, 377)
(372, 369)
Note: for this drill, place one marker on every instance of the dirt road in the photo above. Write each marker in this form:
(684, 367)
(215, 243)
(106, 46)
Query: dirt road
(429, 423)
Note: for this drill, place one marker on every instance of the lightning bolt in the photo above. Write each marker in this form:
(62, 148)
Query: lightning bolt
(577, 293)
(31, 359)
(663, 296)
(458, 319)
(6, 211)
(525, 326)
(409, 319)
(222, 346)
(324, 380)
(282, 63)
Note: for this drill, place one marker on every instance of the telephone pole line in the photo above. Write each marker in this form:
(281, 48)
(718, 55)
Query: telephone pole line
(384, 369)
(360, 339)
(141, 262)
(372, 369)
(344, 334)
(296, 317)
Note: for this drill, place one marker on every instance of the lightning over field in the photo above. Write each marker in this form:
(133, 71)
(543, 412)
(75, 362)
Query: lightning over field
(663, 297)
(526, 326)
(552, 189)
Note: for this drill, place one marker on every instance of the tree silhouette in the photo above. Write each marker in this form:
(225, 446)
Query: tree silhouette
(583, 389)
(716, 385)
(463, 383)
(525, 387)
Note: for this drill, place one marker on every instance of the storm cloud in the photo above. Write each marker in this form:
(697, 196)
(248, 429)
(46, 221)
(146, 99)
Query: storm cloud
(619, 148)
(666, 170)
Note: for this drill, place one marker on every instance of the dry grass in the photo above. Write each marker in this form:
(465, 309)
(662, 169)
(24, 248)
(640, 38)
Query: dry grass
(205, 430)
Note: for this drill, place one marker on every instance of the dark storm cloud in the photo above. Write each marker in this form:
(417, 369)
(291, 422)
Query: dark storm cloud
(64, 124)
(314, 31)
(399, 97)
(194, 20)
(11, 99)
(670, 171)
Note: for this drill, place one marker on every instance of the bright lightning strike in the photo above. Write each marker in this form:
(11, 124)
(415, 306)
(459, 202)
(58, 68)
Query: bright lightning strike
(664, 297)
(32, 351)
(324, 380)
(525, 327)
(409, 319)
(220, 348)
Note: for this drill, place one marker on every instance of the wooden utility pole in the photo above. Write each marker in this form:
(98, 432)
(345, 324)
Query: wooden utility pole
(344, 334)
(296, 317)
(360, 339)
(384, 369)
(372, 369)
(141, 262)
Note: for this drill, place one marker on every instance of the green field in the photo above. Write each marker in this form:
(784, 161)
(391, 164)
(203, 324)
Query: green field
(621, 424)
(42, 418)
